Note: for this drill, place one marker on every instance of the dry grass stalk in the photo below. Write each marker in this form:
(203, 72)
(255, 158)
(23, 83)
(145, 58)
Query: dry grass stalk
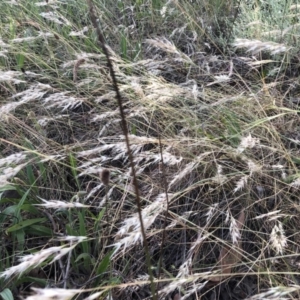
(247, 142)
(131, 227)
(276, 293)
(60, 204)
(241, 183)
(33, 260)
(9, 172)
(211, 211)
(54, 293)
(231, 255)
(256, 46)
(126, 135)
(278, 239)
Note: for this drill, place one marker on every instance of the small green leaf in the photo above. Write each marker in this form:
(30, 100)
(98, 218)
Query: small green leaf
(42, 282)
(71, 231)
(101, 214)
(39, 230)
(20, 235)
(82, 229)
(296, 160)
(133, 130)
(21, 202)
(6, 294)
(29, 208)
(7, 212)
(104, 263)
(82, 232)
(123, 47)
(84, 256)
(98, 219)
(43, 171)
(7, 187)
(30, 175)
(73, 164)
(25, 223)
(20, 60)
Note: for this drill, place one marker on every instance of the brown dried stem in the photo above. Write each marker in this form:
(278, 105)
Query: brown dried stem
(126, 135)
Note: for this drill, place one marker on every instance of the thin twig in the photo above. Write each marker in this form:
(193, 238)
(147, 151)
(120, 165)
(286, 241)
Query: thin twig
(125, 132)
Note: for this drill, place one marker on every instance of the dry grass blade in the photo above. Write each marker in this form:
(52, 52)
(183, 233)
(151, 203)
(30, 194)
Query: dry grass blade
(54, 293)
(256, 46)
(231, 255)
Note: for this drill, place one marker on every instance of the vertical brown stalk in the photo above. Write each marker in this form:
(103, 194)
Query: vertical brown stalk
(126, 135)
(104, 177)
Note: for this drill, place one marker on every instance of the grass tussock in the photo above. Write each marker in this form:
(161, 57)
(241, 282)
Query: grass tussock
(210, 111)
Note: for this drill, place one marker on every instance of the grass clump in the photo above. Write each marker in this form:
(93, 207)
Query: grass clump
(192, 191)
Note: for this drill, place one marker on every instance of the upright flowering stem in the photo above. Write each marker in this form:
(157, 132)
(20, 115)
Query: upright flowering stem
(125, 132)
